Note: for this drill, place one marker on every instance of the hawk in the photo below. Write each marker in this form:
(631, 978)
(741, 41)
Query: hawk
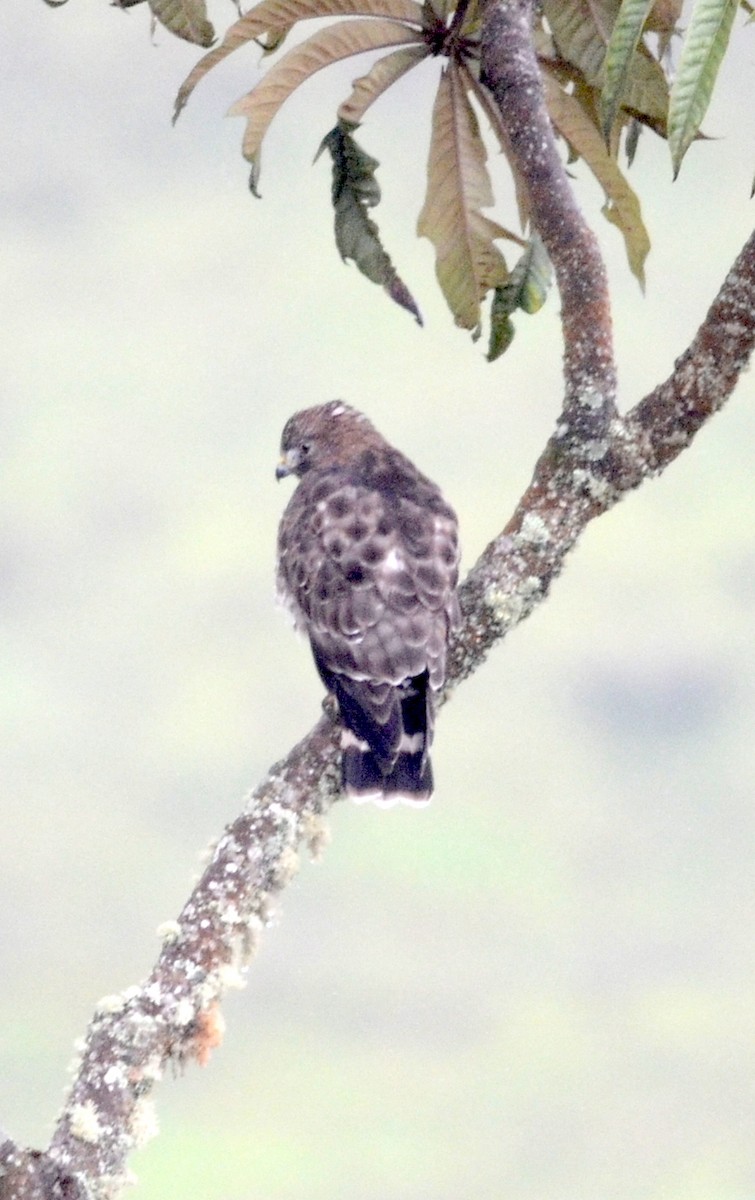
(368, 561)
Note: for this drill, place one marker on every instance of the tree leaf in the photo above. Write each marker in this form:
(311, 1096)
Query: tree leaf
(327, 46)
(378, 79)
(619, 57)
(354, 190)
(622, 207)
(532, 276)
(581, 30)
(526, 287)
(490, 108)
(703, 49)
(187, 19)
(646, 94)
(278, 16)
(467, 262)
(502, 328)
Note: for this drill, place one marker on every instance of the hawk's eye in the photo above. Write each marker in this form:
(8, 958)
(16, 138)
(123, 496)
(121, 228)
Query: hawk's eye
(304, 449)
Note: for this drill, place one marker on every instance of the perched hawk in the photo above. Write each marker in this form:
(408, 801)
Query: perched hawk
(368, 562)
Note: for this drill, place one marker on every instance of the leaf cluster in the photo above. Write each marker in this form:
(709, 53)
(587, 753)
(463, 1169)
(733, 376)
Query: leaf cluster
(606, 73)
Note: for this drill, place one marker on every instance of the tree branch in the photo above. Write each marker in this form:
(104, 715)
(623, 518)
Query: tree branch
(509, 70)
(569, 488)
(586, 467)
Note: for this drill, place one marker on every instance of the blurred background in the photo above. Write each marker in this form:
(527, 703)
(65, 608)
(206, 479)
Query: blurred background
(541, 986)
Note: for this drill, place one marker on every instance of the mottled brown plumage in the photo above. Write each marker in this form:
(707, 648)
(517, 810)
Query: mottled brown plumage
(368, 563)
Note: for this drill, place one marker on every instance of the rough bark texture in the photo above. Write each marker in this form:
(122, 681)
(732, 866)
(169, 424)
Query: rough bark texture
(593, 459)
(509, 70)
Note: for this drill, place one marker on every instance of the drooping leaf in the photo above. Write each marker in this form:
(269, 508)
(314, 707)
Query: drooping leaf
(622, 206)
(502, 328)
(187, 19)
(467, 261)
(490, 108)
(271, 17)
(325, 47)
(354, 190)
(378, 79)
(703, 49)
(619, 56)
(526, 287)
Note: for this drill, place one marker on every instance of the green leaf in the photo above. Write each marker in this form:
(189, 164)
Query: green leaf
(273, 17)
(622, 207)
(354, 190)
(329, 45)
(532, 276)
(703, 49)
(378, 79)
(467, 262)
(187, 19)
(502, 328)
(619, 57)
(526, 287)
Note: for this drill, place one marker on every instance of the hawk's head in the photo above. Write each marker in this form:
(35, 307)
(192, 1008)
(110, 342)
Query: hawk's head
(327, 435)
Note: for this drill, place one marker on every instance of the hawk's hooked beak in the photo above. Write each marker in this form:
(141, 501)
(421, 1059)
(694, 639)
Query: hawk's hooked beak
(286, 465)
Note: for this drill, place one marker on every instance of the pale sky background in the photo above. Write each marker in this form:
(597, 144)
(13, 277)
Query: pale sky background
(541, 987)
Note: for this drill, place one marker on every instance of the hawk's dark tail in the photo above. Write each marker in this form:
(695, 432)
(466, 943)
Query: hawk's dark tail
(385, 739)
(408, 781)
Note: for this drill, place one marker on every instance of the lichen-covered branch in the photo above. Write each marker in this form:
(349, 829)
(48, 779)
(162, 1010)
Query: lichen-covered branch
(174, 1015)
(571, 486)
(704, 376)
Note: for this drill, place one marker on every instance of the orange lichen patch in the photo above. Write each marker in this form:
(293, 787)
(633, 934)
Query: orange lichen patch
(208, 1035)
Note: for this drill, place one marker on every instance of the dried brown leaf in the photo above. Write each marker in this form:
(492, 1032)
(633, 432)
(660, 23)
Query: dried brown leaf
(378, 79)
(329, 45)
(278, 16)
(468, 263)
